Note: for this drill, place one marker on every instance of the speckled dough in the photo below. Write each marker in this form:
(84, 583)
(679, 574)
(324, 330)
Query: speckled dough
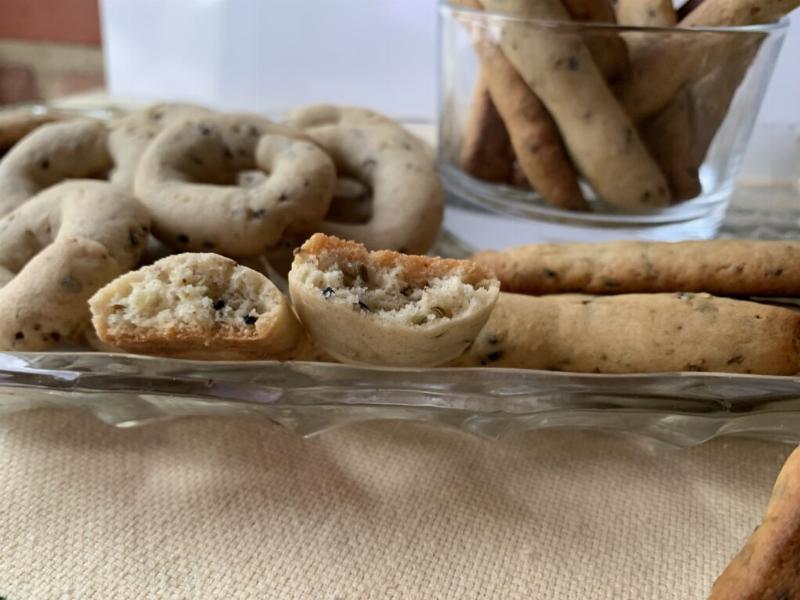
(723, 267)
(407, 198)
(190, 180)
(130, 135)
(54, 152)
(599, 135)
(768, 566)
(386, 308)
(200, 306)
(101, 227)
(638, 333)
(16, 124)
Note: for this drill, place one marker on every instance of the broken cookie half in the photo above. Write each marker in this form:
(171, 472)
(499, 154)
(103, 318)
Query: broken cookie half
(201, 306)
(387, 308)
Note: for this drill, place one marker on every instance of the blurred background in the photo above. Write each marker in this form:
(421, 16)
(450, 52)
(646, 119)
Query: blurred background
(269, 55)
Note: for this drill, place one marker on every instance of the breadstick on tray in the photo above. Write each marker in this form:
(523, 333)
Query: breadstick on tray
(486, 151)
(768, 566)
(723, 267)
(607, 48)
(646, 13)
(638, 333)
(598, 134)
(657, 75)
(535, 138)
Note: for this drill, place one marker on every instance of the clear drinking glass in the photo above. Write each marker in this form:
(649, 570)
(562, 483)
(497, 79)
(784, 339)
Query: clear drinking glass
(597, 125)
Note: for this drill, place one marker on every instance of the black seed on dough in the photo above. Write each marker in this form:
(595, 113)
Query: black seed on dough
(283, 197)
(134, 238)
(250, 319)
(205, 130)
(363, 273)
(182, 238)
(37, 327)
(226, 152)
(252, 131)
(256, 214)
(776, 273)
(573, 64)
(219, 304)
(55, 336)
(491, 339)
(306, 183)
(550, 273)
(19, 336)
(328, 292)
(70, 284)
(609, 282)
(495, 356)
(363, 306)
(44, 165)
(735, 360)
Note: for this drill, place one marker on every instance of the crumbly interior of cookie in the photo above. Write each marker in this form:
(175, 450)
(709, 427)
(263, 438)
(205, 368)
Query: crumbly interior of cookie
(211, 299)
(387, 292)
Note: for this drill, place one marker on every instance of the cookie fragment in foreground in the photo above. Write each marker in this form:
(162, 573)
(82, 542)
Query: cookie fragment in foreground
(201, 306)
(387, 308)
(768, 566)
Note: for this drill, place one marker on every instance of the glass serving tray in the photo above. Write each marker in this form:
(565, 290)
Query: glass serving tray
(679, 409)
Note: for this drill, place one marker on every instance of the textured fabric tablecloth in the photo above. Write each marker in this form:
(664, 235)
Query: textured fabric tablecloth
(240, 508)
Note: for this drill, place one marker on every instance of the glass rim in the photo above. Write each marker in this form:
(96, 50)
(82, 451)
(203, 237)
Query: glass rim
(781, 25)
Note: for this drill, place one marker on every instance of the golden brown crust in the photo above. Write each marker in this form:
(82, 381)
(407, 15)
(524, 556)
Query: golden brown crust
(638, 333)
(723, 267)
(768, 566)
(486, 151)
(331, 250)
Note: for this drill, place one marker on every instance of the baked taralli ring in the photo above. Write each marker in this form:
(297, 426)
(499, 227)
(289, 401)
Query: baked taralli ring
(201, 306)
(56, 250)
(16, 124)
(386, 308)
(130, 135)
(398, 199)
(54, 152)
(190, 180)
(407, 200)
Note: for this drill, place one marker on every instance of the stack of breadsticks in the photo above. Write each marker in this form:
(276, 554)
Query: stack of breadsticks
(630, 113)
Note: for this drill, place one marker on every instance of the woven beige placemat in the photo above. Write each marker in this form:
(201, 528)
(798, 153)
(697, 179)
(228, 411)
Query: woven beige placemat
(240, 508)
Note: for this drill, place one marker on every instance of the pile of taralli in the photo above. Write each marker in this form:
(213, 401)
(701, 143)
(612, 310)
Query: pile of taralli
(173, 230)
(629, 114)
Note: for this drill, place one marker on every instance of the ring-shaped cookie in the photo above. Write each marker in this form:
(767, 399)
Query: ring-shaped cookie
(56, 250)
(189, 179)
(54, 152)
(407, 199)
(16, 124)
(130, 135)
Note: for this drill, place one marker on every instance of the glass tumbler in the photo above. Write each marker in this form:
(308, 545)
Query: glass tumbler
(590, 125)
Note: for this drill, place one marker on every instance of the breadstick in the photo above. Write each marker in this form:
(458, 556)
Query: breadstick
(638, 333)
(601, 139)
(658, 74)
(724, 267)
(680, 135)
(486, 151)
(607, 48)
(535, 138)
(646, 13)
(768, 566)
